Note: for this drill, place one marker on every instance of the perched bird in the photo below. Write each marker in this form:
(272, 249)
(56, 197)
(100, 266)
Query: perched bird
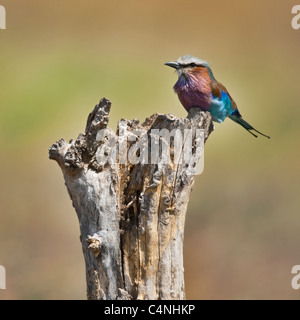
(197, 87)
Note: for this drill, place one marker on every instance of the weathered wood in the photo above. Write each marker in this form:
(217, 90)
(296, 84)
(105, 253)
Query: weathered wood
(131, 213)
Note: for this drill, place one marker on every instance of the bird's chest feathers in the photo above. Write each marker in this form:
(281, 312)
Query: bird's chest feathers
(194, 89)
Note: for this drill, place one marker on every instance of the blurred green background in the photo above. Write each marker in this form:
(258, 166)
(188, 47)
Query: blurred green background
(58, 58)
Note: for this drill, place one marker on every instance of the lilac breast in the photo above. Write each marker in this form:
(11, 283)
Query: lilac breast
(193, 92)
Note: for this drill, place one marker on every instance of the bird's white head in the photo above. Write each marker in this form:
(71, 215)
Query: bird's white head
(185, 64)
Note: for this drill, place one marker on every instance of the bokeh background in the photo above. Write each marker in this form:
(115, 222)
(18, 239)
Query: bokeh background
(58, 58)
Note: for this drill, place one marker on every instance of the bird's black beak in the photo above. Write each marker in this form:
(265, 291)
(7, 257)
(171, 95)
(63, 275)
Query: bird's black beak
(172, 64)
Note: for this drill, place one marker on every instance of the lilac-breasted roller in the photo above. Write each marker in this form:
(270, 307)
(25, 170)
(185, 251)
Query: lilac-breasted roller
(197, 87)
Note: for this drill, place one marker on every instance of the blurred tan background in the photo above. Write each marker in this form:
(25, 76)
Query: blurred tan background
(58, 58)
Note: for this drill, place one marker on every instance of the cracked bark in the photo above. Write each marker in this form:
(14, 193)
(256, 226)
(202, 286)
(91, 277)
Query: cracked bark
(131, 213)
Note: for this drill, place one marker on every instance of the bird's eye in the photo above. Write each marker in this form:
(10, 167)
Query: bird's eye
(193, 64)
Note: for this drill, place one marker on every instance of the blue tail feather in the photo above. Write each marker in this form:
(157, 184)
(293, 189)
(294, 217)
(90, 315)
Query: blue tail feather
(238, 119)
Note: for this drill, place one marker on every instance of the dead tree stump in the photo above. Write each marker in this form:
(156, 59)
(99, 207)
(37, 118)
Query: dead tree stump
(131, 209)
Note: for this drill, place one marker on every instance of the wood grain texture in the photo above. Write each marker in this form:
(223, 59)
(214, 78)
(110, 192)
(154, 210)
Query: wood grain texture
(131, 215)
